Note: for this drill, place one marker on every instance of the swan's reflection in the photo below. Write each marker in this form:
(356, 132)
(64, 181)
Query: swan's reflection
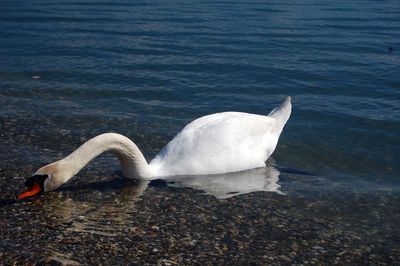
(132, 190)
(232, 184)
(107, 217)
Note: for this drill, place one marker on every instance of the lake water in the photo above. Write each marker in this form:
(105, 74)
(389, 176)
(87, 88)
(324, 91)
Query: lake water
(73, 69)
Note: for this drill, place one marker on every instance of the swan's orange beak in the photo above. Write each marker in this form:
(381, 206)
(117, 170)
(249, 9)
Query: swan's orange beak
(31, 191)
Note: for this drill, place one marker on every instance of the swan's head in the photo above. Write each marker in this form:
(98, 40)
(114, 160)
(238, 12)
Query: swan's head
(45, 179)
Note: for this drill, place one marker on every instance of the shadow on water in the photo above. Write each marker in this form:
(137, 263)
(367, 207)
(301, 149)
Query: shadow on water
(7, 202)
(294, 171)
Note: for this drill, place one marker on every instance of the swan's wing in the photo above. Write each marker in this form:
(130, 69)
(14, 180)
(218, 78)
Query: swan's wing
(218, 143)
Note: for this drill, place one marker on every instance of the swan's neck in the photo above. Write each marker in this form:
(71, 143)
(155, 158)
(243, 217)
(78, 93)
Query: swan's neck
(132, 161)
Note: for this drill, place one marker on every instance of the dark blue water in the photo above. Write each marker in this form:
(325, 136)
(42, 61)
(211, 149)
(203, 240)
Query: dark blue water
(146, 68)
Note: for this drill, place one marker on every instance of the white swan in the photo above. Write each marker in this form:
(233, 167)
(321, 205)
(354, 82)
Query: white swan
(213, 144)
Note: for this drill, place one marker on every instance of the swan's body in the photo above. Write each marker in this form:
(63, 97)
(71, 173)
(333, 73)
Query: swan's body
(218, 143)
(213, 144)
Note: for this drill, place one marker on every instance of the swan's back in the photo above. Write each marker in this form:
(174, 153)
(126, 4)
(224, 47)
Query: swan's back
(222, 143)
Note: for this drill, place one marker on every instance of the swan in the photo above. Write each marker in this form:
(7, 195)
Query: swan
(213, 144)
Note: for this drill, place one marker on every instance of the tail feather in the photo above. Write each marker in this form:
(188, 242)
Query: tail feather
(282, 113)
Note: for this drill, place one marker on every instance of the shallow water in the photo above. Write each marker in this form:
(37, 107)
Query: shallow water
(73, 70)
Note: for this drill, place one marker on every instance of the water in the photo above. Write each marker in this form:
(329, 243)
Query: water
(70, 70)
